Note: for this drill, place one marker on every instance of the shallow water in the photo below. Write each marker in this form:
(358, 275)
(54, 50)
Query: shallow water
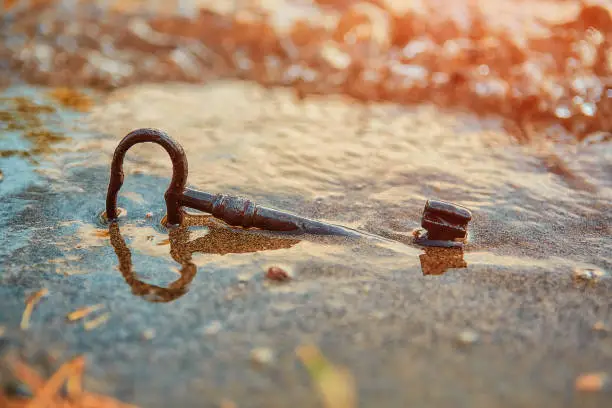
(187, 307)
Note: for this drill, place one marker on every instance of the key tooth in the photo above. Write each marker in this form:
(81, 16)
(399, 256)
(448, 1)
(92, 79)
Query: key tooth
(445, 221)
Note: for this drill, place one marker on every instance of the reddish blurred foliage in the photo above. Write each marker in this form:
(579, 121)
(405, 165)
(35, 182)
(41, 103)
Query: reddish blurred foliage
(370, 53)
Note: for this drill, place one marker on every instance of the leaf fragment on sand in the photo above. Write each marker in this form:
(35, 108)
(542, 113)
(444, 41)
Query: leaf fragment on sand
(83, 312)
(98, 321)
(71, 98)
(599, 326)
(31, 302)
(47, 393)
(52, 387)
(27, 375)
(74, 384)
(335, 385)
(592, 382)
(5, 402)
(225, 403)
(8, 4)
(90, 400)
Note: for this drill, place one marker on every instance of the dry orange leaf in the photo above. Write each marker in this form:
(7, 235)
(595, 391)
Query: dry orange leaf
(31, 302)
(98, 321)
(46, 393)
(335, 385)
(71, 98)
(83, 312)
(591, 382)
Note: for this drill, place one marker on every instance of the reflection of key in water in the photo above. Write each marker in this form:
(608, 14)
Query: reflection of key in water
(220, 239)
(436, 261)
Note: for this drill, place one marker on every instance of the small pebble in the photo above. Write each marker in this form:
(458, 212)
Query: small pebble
(277, 274)
(234, 292)
(591, 382)
(599, 326)
(148, 334)
(244, 278)
(378, 315)
(588, 274)
(468, 337)
(262, 356)
(213, 328)
(227, 404)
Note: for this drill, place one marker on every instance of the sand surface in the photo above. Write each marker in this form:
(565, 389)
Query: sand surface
(392, 313)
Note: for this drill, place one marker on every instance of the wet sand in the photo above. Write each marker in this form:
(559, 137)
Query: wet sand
(376, 308)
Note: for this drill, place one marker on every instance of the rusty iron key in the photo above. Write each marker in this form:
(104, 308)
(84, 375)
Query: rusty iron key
(445, 222)
(235, 211)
